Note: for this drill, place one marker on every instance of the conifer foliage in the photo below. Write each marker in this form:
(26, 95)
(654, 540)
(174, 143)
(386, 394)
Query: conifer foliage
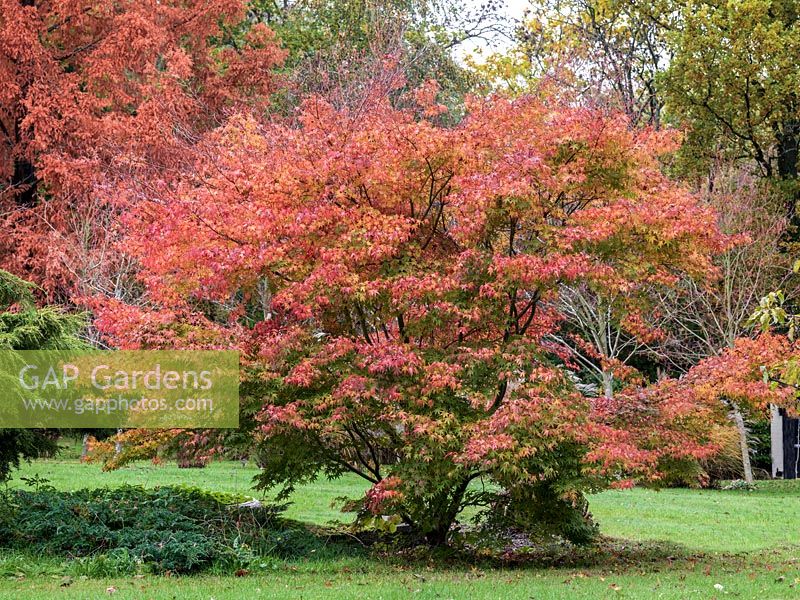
(25, 327)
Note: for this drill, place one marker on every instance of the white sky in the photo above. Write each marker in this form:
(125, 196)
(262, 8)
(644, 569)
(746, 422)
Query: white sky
(513, 9)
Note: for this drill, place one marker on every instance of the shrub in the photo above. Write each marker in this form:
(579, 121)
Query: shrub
(174, 529)
(724, 464)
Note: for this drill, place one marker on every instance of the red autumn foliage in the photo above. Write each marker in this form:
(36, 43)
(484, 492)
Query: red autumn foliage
(91, 91)
(386, 279)
(752, 374)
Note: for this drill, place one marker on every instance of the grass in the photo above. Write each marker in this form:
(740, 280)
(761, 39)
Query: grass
(383, 583)
(705, 520)
(674, 544)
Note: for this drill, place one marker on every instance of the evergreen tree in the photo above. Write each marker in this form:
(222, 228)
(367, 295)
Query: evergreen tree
(23, 326)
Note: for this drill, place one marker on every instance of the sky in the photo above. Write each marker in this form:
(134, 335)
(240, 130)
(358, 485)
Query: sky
(513, 9)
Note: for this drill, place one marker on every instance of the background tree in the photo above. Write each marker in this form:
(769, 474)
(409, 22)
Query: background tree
(336, 48)
(605, 52)
(604, 333)
(84, 80)
(733, 80)
(706, 320)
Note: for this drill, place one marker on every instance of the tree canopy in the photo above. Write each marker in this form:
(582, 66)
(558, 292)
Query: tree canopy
(388, 279)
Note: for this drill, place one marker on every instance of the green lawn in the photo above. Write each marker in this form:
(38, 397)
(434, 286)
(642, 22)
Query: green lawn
(414, 583)
(745, 542)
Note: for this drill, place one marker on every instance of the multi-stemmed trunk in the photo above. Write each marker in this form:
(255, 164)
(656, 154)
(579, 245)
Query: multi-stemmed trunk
(446, 513)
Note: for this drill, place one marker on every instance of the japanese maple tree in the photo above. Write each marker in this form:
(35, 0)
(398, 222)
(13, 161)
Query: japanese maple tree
(390, 282)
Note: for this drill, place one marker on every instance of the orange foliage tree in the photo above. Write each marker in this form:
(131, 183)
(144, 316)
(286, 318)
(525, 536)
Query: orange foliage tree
(84, 83)
(390, 281)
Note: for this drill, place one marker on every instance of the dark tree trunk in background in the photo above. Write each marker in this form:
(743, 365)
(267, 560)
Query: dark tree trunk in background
(24, 182)
(791, 447)
(788, 149)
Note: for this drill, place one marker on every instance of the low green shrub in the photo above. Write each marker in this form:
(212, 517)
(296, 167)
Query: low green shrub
(122, 530)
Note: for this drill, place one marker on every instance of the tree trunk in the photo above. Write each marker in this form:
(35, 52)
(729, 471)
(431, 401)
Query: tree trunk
(437, 537)
(451, 503)
(743, 445)
(608, 384)
(788, 149)
(118, 444)
(85, 446)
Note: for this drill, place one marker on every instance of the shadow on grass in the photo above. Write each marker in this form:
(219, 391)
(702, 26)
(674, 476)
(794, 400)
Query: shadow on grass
(605, 553)
(310, 549)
